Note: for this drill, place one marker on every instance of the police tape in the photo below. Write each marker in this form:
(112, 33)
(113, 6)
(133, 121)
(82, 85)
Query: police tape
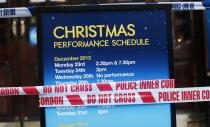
(186, 6)
(89, 88)
(152, 96)
(176, 6)
(30, 11)
(16, 12)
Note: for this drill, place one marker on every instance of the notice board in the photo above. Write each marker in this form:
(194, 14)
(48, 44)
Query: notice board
(105, 43)
(207, 21)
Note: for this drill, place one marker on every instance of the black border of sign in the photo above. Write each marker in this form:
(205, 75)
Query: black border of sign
(106, 7)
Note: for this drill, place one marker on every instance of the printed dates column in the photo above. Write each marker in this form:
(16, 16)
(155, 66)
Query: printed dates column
(71, 70)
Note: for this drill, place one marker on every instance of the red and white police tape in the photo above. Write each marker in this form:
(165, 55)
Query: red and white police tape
(152, 96)
(88, 88)
(115, 93)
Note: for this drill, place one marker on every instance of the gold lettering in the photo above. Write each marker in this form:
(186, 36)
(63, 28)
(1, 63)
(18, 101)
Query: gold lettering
(55, 32)
(93, 31)
(131, 28)
(100, 29)
(122, 31)
(67, 31)
(79, 31)
(111, 32)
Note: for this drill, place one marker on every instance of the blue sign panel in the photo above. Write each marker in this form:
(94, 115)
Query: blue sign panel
(208, 35)
(206, 2)
(89, 46)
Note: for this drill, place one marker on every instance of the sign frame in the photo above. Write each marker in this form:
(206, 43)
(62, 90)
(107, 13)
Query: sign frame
(106, 7)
